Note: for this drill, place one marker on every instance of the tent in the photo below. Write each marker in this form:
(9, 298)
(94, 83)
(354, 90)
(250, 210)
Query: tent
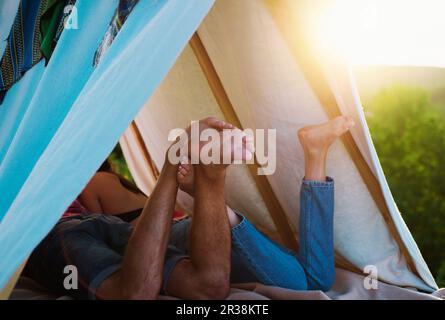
(252, 62)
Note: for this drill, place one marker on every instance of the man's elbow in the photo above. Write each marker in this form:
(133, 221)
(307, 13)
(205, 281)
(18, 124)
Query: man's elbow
(144, 290)
(146, 293)
(214, 286)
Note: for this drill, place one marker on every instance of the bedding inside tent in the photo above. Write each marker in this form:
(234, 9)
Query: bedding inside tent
(230, 59)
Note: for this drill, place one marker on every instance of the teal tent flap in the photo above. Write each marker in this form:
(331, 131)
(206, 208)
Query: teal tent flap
(77, 114)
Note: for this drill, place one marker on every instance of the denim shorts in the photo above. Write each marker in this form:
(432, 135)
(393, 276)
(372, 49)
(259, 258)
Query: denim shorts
(95, 245)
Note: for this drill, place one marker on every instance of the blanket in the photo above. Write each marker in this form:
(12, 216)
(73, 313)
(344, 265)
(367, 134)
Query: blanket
(348, 286)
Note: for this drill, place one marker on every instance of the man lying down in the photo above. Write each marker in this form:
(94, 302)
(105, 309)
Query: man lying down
(142, 253)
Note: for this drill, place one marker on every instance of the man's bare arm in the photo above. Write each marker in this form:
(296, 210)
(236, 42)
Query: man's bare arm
(141, 274)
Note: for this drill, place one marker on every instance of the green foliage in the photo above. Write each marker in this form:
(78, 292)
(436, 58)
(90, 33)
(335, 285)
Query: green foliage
(409, 134)
(118, 163)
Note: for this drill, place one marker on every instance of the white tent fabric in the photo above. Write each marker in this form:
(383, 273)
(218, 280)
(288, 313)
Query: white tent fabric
(59, 122)
(347, 95)
(268, 90)
(128, 143)
(63, 120)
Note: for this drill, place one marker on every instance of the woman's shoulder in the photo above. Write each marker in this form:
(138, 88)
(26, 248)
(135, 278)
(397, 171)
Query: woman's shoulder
(102, 175)
(101, 180)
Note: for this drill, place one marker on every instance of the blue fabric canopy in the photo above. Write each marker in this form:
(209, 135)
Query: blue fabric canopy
(57, 124)
(8, 10)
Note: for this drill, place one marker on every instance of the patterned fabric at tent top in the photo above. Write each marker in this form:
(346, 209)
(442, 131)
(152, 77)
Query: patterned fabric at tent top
(122, 12)
(52, 24)
(23, 49)
(33, 35)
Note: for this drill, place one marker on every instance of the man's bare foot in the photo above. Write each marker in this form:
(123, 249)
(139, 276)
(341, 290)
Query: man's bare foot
(316, 139)
(185, 178)
(234, 147)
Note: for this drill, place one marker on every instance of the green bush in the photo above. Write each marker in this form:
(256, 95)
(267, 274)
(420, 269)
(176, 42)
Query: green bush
(408, 131)
(119, 164)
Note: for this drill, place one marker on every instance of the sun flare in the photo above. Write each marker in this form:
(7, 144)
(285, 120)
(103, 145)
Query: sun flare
(387, 32)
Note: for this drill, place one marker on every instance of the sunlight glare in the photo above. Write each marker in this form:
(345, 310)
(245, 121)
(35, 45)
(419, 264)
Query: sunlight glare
(388, 32)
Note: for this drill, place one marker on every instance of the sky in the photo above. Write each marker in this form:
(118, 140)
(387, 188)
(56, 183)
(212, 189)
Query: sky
(387, 32)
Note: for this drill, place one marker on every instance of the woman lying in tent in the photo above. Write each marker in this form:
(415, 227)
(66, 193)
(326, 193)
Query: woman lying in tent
(140, 254)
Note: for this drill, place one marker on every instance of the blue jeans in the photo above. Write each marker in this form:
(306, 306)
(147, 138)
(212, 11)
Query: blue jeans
(257, 258)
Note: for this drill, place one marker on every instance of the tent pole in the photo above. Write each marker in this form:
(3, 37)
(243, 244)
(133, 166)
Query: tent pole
(6, 291)
(148, 159)
(143, 147)
(273, 205)
(283, 14)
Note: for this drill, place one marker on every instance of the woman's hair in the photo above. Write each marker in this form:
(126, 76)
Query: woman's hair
(107, 166)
